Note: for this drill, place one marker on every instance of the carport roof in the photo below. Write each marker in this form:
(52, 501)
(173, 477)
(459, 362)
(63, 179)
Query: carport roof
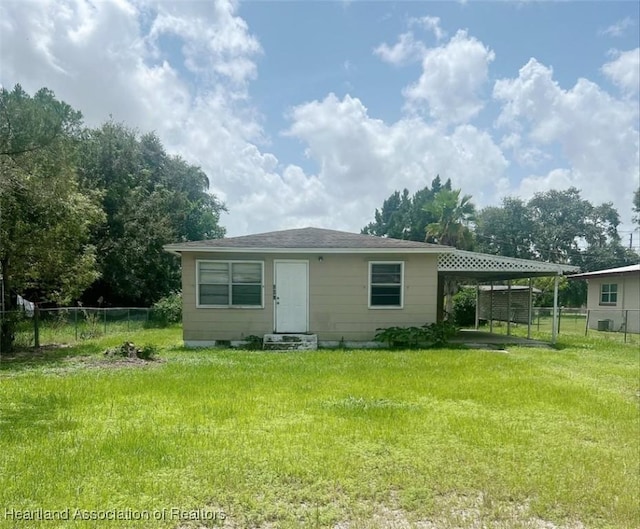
(486, 267)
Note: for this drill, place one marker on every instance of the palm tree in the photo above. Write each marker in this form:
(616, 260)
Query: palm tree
(451, 229)
(454, 215)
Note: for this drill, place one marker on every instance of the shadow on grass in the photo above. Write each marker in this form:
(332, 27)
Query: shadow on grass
(38, 413)
(23, 359)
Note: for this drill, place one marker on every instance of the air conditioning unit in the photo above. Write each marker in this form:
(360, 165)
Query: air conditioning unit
(605, 325)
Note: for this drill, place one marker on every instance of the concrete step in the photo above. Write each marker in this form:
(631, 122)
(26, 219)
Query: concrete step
(290, 342)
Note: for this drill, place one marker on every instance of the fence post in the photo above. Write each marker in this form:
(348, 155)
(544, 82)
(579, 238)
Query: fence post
(128, 319)
(586, 325)
(559, 318)
(626, 318)
(75, 321)
(36, 326)
(104, 311)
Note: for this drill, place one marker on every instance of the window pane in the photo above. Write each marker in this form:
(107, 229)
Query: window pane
(385, 296)
(386, 273)
(214, 273)
(246, 294)
(214, 295)
(247, 273)
(609, 293)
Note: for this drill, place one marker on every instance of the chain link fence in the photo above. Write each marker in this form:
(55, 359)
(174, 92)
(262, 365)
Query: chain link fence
(618, 324)
(72, 324)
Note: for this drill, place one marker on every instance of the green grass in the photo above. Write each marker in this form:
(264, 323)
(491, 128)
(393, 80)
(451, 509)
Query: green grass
(324, 439)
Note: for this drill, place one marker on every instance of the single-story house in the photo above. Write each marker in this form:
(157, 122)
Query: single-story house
(613, 298)
(335, 286)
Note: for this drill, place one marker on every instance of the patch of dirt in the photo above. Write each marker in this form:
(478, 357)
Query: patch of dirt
(461, 512)
(114, 362)
(455, 511)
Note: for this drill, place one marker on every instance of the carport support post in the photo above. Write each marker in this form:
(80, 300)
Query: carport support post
(509, 307)
(477, 306)
(491, 308)
(554, 326)
(530, 309)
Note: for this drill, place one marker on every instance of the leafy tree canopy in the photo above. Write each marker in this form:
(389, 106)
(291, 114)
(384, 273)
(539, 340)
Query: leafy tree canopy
(453, 216)
(403, 216)
(150, 199)
(45, 216)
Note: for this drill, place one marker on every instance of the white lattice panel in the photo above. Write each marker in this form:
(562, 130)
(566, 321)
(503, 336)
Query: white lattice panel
(461, 261)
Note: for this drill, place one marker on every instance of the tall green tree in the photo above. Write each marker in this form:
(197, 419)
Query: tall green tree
(454, 215)
(505, 230)
(150, 199)
(403, 216)
(45, 216)
(559, 226)
(566, 227)
(636, 206)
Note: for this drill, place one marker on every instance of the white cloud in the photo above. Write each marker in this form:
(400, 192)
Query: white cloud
(362, 160)
(597, 134)
(430, 24)
(451, 80)
(407, 49)
(184, 69)
(214, 39)
(624, 71)
(619, 28)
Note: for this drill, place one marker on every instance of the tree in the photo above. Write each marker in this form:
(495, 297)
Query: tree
(636, 206)
(453, 216)
(555, 226)
(403, 216)
(506, 230)
(45, 217)
(150, 199)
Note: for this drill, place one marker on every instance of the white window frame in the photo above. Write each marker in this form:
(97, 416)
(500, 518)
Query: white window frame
(608, 303)
(230, 262)
(386, 307)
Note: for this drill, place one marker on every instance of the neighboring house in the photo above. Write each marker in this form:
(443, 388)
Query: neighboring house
(339, 287)
(613, 298)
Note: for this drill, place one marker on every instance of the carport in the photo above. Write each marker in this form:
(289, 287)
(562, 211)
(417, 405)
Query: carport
(484, 268)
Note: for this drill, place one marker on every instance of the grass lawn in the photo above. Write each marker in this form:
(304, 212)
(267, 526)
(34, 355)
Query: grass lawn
(528, 438)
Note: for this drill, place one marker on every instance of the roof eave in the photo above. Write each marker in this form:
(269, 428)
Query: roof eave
(177, 250)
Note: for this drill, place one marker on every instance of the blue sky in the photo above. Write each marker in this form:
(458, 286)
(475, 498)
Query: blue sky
(312, 113)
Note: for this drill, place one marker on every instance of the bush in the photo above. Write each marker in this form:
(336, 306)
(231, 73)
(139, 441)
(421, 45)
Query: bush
(253, 342)
(428, 335)
(464, 307)
(129, 350)
(168, 309)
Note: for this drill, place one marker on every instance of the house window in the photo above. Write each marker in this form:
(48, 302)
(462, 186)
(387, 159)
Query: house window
(608, 294)
(385, 285)
(230, 283)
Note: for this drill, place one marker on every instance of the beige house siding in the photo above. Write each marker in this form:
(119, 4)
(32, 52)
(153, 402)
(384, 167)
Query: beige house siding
(628, 302)
(338, 297)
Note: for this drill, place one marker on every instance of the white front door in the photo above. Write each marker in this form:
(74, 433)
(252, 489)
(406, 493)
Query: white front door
(292, 296)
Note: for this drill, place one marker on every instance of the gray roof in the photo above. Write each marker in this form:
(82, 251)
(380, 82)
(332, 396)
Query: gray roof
(609, 272)
(505, 288)
(311, 239)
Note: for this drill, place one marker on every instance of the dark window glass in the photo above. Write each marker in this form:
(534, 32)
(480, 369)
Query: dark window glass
(609, 294)
(224, 283)
(246, 294)
(386, 285)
